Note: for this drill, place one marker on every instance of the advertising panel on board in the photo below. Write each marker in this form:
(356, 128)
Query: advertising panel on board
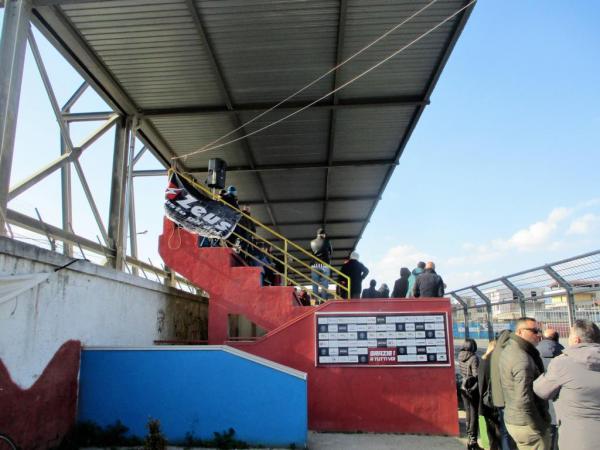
(382, 339)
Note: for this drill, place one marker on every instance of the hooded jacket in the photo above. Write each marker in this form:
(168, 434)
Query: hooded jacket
(468, 363)
(411, 281)
(401, 284)
(520, 364)
(573, 380)
(321, 248)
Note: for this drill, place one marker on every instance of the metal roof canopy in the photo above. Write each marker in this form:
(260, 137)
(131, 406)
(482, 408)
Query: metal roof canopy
(195, 70)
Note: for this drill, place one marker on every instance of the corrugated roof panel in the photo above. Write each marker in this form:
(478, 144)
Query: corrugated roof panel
(287, 212)
(348, 181)
(301, 139)
(270, 49)
(410, 71)
(347, 210)
(294, 184)
(370, 133)
(189, 133)
(130, 32)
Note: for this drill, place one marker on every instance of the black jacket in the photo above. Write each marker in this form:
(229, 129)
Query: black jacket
(370, 293)
(321, 248)
(429, 284)
(401, 284)
(357, 272)
(549, 349)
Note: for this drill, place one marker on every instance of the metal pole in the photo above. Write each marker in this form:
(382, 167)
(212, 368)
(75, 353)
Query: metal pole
(465, 311)
(66, 197)
(488, 306)
(517, 293)
(132, 222)
(130, 154)
(569, 291)
(285, 263)
(13, 44)
(117, 191)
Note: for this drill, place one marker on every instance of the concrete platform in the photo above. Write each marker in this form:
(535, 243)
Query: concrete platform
(344, 441)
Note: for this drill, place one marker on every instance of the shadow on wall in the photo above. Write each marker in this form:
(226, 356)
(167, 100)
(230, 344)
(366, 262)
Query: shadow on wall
(39, 417)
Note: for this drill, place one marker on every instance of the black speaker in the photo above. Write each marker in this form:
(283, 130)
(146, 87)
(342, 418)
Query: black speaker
(217, 168)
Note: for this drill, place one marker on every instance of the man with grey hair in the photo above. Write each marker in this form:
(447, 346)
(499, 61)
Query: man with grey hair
(573, 381)
(429, 283)
(525, 415)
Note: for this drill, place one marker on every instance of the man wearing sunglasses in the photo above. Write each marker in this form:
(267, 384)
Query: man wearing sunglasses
(525, 414)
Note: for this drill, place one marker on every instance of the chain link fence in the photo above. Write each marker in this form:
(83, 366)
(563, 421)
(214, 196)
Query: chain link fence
(555, 295)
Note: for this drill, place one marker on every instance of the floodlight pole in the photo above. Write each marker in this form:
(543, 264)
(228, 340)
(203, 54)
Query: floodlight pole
(13, 43)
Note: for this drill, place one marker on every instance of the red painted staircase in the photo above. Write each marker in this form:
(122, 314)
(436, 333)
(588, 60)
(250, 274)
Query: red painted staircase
(233, 288)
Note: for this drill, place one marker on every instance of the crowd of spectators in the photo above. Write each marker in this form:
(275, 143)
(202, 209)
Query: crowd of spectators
(533, 393)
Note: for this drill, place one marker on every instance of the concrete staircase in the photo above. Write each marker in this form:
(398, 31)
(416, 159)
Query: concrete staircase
(233, 287)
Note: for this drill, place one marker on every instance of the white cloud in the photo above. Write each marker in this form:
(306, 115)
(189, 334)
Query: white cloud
(537, 234)
(584, 224)
(387, 269)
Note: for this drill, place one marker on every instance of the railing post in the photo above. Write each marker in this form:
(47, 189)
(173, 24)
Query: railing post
(517, 293)
(488, 306)
(569, 291)
(285, 262)
(465, 311)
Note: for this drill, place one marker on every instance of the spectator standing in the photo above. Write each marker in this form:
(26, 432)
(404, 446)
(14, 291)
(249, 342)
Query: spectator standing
(550, 348)
(401, 284)
(468, 362)
(321, 273)
(486, 404)
(506, 441)
(413, 278)
(429, 283)
(525, 414)
(383, 291)
(573, 379)
(370, 292)
(357, 272)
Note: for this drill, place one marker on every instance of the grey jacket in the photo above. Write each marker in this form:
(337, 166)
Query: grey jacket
(573, 379)
(518, 369)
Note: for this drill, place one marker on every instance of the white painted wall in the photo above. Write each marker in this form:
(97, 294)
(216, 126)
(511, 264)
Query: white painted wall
(93, 304)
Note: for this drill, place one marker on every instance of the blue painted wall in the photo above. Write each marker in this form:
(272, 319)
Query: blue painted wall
(195, 391)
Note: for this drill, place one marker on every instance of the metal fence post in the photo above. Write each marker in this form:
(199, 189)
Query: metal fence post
(13, 44)
(465, 312)
(516, 293)
(488, 306)
(568, 289)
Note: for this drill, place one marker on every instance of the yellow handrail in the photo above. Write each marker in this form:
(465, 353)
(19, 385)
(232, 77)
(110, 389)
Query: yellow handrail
(287, 242)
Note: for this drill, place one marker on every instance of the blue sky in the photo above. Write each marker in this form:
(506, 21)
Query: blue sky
(501, 173)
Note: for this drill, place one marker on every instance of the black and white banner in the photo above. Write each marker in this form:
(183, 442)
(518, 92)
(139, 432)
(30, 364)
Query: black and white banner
(187, 206)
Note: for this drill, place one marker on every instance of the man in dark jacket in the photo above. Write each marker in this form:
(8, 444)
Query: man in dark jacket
(401, 284)
(507, 442)
(357, 272)
(370, 292)
(573, 379)
(321, 273)
(429, 283)
(550, 348)
(525, 414)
